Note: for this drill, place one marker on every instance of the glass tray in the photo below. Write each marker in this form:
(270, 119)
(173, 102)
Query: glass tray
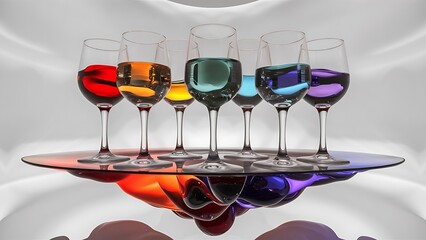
(214, 200)
(68, 161)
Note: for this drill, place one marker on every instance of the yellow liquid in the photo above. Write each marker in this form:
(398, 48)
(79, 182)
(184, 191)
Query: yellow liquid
(143, 82)
(179, 95)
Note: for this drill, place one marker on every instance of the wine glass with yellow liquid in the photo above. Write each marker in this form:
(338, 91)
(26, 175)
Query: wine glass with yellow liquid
(143, 78)
(178, 96)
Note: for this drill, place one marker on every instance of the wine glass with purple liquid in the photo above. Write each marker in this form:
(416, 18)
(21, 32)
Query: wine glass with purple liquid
(247, 97)
(96, 80)
(330, 81)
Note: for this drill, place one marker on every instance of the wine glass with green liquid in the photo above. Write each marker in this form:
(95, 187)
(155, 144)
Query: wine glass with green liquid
(213, 77)
(178, 96)
(247, 97)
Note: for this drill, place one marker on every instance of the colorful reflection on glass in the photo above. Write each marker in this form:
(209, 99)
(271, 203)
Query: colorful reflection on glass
(214, 202)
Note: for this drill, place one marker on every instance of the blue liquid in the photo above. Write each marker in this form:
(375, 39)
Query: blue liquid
(247, 96)
(248, 87)
(283, 84)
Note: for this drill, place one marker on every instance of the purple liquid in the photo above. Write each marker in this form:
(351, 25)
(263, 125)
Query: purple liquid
(327, 87)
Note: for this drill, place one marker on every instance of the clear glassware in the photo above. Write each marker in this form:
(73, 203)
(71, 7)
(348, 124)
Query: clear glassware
(247, 97)
(213, 77)
(143, 78)
(178, 96)
(330, 81)
(96, 80)
(283, 77)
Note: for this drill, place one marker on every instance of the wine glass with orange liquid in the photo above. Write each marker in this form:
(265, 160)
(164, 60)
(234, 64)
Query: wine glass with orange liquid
(143, 78)
(178, 96)
(97, 82)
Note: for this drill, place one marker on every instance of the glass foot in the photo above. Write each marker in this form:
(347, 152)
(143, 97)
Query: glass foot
(213, 167)
(283, 163)
(322, 159)
(179, 155)
(247, 155)
(145, 163)
(104, 158)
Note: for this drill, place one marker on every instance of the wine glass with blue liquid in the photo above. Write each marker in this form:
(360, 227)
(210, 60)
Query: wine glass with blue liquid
(247, 97)
(330, 81)
(213, 77)
(283, 77)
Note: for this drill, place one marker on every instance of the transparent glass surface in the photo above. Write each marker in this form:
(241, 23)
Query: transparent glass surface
(357, 162)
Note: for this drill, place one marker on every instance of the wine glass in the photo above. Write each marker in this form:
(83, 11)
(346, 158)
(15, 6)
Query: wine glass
(283, 77)
(247, 97)
(213, 77)
(330, 81)
(96, 80)
(143, 78)
(178, 96)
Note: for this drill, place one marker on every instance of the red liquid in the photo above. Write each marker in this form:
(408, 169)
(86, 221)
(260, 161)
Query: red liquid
(98, 84)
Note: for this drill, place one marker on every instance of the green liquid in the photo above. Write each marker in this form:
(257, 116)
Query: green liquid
(213, 81)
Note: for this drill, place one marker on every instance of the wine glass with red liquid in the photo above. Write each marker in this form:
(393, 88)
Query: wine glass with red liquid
(178, 96)
(283, 77)
(330, 81)
(97, 82)
(247, 97)
(143, 78)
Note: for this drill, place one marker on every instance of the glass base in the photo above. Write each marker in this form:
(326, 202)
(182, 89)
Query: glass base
(248, 155)
(147, 163)
(283, 163)
(213, 167)
(104, 158)
(179, 155)
(322, 159)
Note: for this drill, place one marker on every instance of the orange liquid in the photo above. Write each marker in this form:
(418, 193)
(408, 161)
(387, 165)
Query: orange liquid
(143, 82)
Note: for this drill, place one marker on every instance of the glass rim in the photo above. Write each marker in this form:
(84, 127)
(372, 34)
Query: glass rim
(164, 39)
(262, 38)
(234, 31)
(339, 42)
(86, 43)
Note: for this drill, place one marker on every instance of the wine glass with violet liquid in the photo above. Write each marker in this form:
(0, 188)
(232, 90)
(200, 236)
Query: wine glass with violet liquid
(330, 81)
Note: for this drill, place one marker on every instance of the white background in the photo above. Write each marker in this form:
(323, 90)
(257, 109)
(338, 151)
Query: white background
(43, 111)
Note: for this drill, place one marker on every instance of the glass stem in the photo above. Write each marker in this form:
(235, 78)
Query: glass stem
(213, 154)
(104, 130)
(179, 122)
(282, 118)
(323, 119)
(247, 118)
(144, 111)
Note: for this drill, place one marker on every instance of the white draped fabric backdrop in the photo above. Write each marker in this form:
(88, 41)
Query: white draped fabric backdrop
(43, 111)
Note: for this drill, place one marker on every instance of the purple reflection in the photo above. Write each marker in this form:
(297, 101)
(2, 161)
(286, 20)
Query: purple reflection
(325, 90)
